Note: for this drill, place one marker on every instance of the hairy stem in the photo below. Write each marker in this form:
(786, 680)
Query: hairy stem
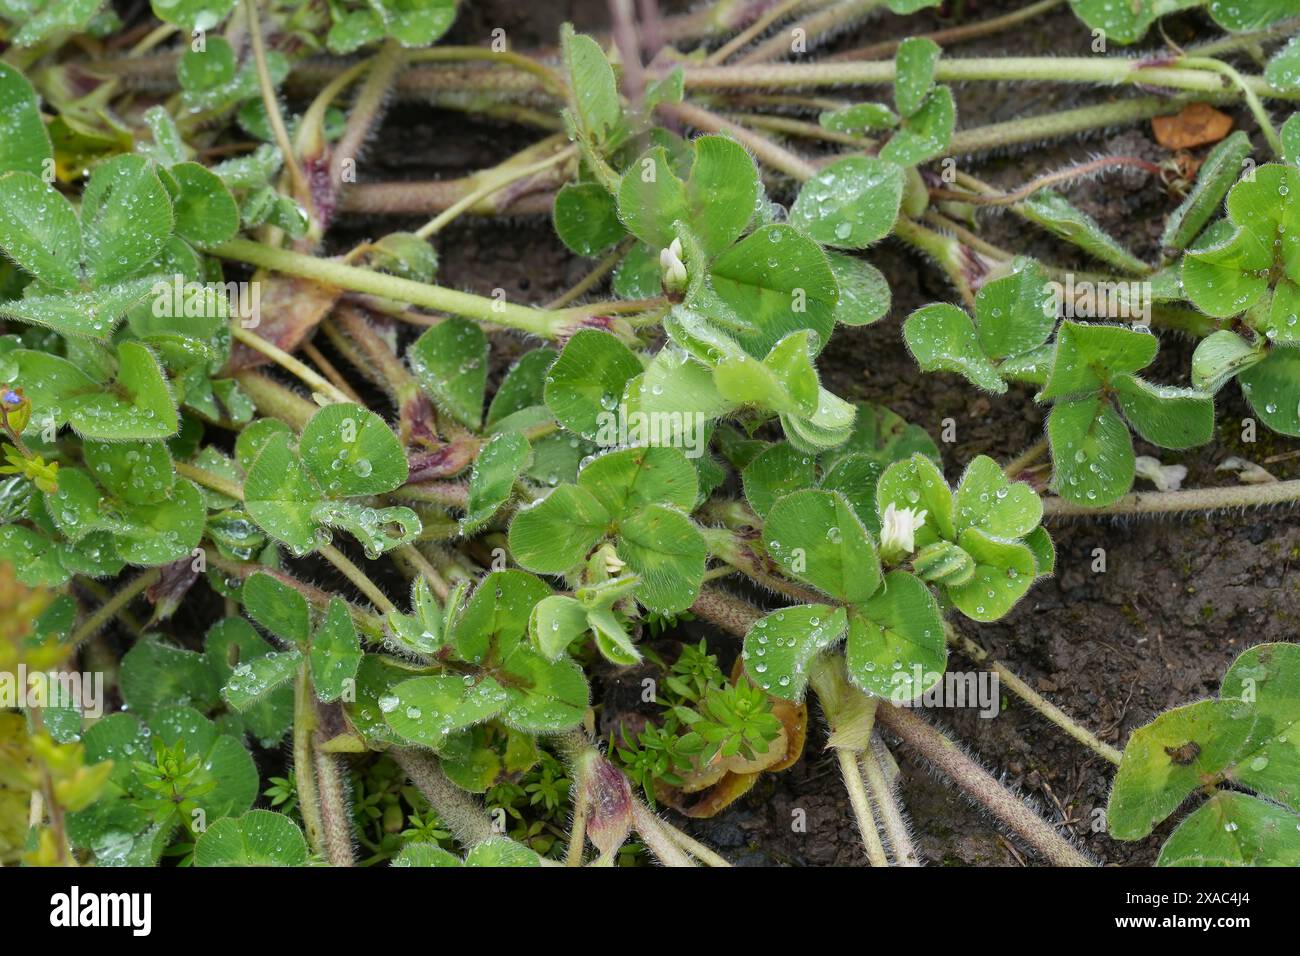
(693, 846)
(815, 28)
(944, 755)
(945, 38)
(357, 577)
(304, 771)
(1248, 91)
(336, 818)
(272, 103)
(1031, 69)
(884, 798)
(464, 817)
(367, 109)
(1174, 502)
(306, 375)
(861, 805)
(656, 838)
(495, 311)
(109, 609)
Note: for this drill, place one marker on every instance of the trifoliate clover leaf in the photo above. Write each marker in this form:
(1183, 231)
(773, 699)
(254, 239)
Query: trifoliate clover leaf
(1058, 216)
(716, 200)
(926, 133)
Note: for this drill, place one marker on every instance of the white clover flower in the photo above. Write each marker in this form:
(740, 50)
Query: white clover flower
(1164, 477)
(672, 268)
(898, 530)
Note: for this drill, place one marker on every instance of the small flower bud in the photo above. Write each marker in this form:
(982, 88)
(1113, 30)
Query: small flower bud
(15, 409)
(671, 267)
(609, 801)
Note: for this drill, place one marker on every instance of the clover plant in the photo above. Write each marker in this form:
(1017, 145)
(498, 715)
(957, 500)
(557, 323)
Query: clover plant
(369, 563)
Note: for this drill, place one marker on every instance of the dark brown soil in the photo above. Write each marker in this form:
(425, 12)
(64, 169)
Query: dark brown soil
(1179, 599)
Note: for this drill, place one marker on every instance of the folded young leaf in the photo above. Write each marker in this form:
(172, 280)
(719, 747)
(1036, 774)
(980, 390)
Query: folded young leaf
(253, 681)
(1092, 451)
(914, 65)
(496, 469)
(1055, 213)
(1217, 174)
